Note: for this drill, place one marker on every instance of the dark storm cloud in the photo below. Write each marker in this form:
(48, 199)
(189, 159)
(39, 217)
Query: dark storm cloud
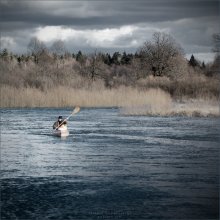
(191, 22)
(102, 13)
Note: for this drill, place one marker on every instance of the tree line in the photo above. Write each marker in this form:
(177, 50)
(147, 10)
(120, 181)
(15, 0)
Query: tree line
(161, 57)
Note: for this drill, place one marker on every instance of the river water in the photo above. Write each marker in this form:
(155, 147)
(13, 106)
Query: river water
(110, 167)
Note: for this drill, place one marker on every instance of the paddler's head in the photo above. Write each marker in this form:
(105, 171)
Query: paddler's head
(60, 118)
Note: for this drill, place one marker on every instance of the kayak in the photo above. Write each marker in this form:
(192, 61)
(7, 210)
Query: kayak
(61, 132)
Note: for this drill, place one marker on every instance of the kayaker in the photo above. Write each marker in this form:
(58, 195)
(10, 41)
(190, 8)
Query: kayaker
(59, 122)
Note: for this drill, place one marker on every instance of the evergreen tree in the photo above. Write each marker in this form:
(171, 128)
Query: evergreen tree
(126, 58)
(193, 62)
(79, 56)
(107, 59)
(19, 60)
(5, 53)
(116, 58)
(203, 65)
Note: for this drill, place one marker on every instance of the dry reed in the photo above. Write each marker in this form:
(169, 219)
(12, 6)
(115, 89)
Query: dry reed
(190, 108)
(64, 97)
(130, 100)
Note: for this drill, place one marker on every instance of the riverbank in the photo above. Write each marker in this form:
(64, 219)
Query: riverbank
(190, 108)
(131, 101)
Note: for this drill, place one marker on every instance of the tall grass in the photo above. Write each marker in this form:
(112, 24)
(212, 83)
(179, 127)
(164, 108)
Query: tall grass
(65, 96)
(130, 100)
(196, 107)
(188, 107)
(156, 102)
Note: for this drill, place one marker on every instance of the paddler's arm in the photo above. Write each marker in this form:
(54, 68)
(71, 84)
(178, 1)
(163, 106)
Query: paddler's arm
(55, 125)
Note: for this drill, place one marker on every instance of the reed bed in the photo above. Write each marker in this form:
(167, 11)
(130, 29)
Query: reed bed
(190, 108)
(130, 100)
(66, 97)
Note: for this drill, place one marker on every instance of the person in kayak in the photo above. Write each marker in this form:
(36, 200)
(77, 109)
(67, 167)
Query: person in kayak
(59, 122)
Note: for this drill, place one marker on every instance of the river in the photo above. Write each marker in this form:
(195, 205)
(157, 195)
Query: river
(110, 166)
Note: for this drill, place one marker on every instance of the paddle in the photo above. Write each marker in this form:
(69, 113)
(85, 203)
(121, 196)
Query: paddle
(76, 110)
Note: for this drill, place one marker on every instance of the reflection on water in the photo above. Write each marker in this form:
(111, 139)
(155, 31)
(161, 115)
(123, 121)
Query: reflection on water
(109, 167)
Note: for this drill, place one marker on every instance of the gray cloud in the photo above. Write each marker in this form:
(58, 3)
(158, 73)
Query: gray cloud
(191, 22)
(93, 13)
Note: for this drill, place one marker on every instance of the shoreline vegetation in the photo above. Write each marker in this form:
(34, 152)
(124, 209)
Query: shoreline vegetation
(130, 101)
(156, 80)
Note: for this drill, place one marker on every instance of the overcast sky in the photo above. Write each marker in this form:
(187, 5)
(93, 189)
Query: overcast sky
(110, 25)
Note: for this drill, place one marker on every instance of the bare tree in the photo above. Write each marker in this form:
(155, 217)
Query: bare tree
(159, 53)
(58, 47)
(215, 68)
(96, 65)
(216, 42)
(36, 47)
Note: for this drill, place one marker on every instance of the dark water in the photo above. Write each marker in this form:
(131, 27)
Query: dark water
(110, 167)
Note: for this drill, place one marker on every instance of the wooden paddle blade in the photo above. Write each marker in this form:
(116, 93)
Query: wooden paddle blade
(76, 110)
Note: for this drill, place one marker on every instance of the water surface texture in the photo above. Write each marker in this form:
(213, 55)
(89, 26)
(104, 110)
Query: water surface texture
(110, 167)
